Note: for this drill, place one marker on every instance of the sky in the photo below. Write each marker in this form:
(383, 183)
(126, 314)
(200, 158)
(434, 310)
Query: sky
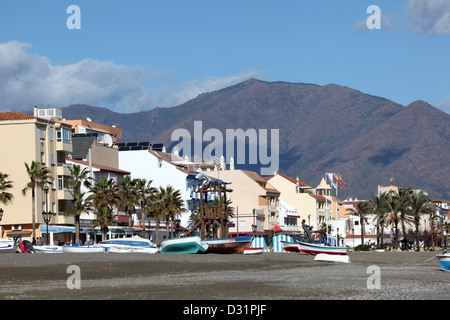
(130, 56)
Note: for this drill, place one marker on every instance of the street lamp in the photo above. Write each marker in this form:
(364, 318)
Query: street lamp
(177, 226)
(46, 215)
(254, 227)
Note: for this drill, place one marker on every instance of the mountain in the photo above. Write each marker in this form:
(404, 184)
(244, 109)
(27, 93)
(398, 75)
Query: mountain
(365, 138)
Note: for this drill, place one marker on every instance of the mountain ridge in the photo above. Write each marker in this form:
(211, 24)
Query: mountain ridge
(331, 128)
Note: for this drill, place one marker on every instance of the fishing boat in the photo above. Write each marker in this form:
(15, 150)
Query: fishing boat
(48, 249)
(253, 250)
(290, 246)
(183, 245)
(7, 244)
(228, 245)
(84, 249)
(315, 248)
(444, 261)
(134, 244)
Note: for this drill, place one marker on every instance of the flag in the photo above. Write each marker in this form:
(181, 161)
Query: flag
(338, 179)
(330, 177)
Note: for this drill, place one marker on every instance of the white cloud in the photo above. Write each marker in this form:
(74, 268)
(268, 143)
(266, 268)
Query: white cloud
(28, 80)
(445, 105)
(429, 16)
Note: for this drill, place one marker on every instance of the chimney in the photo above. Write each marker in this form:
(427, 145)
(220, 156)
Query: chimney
(35, 111)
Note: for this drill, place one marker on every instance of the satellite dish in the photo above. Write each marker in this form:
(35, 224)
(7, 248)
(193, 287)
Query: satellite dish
(107, 140)
(89, 119)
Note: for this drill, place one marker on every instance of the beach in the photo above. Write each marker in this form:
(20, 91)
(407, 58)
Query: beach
(274, 276)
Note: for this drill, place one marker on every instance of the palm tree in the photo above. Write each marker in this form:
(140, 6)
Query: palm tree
(105, 218)
(128, 197)
(363, 210)
(420, 205)
(398, 203)
(145, 193)
(5, 184)
(80, 204)
(38, 178)
(381, 210)
(405, 213)
(103, 198)
(156, 211)
(170, 205)
(78, 177)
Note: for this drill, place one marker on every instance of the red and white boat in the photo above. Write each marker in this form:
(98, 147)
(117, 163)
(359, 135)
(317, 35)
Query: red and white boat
(290, 247)
(315, 248)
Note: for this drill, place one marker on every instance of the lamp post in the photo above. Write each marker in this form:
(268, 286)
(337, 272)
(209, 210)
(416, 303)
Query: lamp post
(177, 227)
(254, 221)
(46, 215)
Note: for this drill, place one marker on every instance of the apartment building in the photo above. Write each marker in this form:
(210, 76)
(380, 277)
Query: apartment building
(26, 138)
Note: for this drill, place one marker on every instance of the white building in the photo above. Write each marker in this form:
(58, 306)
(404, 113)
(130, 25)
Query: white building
(163, 169)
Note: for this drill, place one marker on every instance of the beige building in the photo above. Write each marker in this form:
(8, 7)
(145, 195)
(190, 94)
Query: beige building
(256, 202)
(24, 139)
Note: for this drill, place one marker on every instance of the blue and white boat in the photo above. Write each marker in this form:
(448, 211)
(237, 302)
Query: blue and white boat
(134, 244)
(84, 249)
(48, 249)
(6, 244)
(444, 261)
(183, 245)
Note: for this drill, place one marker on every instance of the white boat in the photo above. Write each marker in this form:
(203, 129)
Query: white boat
(253, 250)
(183, 245)
(6, 244)
(444, 261)
(314, 248)
(48, 249)
(134, 244)
(84, 249)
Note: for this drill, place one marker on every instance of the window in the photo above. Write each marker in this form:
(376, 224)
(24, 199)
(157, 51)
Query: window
(42, 157)
(52, 134)
(58, 135)
(52, 158)
(64, 135)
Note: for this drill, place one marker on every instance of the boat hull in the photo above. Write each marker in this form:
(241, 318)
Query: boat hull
(228, 245)
(253, 250)
(444, 261)
(48, 249)
(290, 247)
(312, 248)
(183, 245)
(129, 245)
(84, 249)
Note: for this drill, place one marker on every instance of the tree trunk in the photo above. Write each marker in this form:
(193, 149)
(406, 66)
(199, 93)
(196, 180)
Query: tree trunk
(157, 231)
(33, 213)
(77, 229)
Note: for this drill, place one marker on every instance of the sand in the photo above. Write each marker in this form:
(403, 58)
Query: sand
(274, 276)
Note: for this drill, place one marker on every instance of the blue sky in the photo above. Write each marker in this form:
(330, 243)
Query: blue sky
(134, 55)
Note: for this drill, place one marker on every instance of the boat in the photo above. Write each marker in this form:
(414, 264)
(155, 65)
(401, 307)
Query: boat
(183, 245)
(444, 261)
(228, 245)
(290, 246)
(253, 250)
(315, 248)
(134, 244)
(84, 249)
(7, 244)
(48, 249)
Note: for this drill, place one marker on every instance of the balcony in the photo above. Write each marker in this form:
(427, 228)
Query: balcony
(62, 169)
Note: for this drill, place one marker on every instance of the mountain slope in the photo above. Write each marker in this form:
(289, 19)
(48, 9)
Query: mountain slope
(366, 139)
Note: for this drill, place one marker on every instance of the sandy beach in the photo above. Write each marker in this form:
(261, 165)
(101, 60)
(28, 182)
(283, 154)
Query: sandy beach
(274, 276)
